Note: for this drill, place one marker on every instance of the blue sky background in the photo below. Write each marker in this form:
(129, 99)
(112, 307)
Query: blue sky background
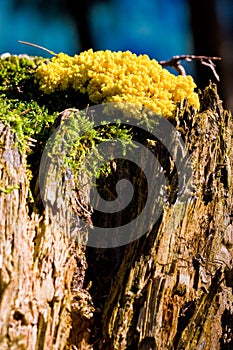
(158, 28)
(147, 27)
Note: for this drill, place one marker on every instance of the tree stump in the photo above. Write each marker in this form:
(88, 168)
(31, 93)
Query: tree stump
(169, 289)
(173, 287)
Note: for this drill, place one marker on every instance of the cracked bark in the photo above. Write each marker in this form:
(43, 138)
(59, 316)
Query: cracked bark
(170, 289)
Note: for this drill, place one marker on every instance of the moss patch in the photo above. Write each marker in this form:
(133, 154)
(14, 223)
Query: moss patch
(33, 115)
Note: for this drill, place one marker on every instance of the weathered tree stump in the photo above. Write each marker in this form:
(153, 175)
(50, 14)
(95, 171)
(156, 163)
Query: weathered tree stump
(36, 269)
(170, 289)
(173, 288)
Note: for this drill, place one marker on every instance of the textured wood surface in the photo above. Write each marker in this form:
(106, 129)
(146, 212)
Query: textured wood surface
(36, 269)
(170, 289)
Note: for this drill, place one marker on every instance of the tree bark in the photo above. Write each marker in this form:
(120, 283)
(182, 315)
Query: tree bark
(173, 287)
(170, 289)
(38, 259)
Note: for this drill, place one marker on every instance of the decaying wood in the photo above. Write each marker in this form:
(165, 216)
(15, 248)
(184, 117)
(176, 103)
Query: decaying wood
(170, 289)
(38, 260)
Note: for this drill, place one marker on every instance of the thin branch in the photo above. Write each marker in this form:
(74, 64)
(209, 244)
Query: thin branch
(212, 67)
(174, 62)
(38, 47)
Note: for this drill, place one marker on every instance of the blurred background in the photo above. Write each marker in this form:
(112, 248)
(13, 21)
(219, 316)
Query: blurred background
(159, 28)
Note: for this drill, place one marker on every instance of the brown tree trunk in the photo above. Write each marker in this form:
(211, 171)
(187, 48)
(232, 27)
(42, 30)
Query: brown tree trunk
(173, 287)
(38, 260)
(170, 289)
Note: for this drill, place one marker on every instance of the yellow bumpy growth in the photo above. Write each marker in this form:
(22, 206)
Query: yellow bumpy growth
(108, 76)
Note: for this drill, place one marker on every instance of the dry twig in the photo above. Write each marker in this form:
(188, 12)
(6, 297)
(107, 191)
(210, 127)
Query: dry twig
(38, 47)
(207, 61)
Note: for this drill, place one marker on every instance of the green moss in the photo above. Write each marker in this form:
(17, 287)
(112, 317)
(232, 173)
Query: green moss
(8, 189)
(26, 119)
(19, 105)
(75, 144)
(31, 114)
(14, 70)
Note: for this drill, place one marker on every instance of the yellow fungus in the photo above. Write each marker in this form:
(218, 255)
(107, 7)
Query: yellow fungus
(118, 77)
